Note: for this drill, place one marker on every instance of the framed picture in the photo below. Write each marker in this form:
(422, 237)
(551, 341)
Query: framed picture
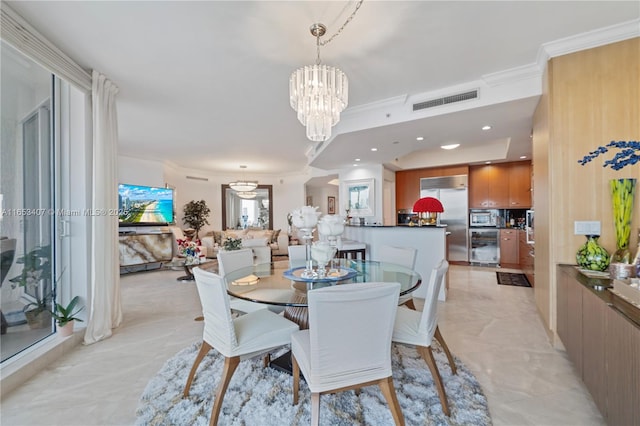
(361, 197)
(331, 205)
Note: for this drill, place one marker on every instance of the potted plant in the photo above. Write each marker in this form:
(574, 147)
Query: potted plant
(65, 316)
(195, 215)
(35, 279)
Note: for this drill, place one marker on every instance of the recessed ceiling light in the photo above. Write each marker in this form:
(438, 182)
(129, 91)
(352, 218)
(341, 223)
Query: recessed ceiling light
(419, 138)
(357, 159)
(355, 164)
(374, 149)
(451, 146)
(523, 157)
(487, 162)
(487, 127)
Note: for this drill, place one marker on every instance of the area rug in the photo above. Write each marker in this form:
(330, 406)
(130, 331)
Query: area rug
(510, 278)
(263, 396)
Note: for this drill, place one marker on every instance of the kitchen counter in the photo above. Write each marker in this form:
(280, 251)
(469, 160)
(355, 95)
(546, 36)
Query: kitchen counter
(430, 241)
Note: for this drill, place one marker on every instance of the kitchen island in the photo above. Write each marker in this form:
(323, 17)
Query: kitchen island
(430, 241)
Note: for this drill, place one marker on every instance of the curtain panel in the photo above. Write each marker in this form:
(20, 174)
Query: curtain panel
(106, 308)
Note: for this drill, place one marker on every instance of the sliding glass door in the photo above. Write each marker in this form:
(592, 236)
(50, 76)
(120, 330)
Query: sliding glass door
(27, 169)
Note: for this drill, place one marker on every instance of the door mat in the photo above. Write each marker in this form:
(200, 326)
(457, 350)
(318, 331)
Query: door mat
(509, 278)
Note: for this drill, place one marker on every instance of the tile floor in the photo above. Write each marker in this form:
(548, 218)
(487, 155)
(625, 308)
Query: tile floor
(493, 329)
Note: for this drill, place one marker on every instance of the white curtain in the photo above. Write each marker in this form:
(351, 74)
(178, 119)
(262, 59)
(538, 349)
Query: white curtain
(106, 309)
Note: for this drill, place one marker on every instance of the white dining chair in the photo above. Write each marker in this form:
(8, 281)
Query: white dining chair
(231, 261)
(348, 343)
(297, 255)
(419, 328)
(237, 339)
(403, 256)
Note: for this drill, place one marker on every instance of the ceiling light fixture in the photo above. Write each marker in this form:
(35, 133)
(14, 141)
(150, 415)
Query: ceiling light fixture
(451, 146)
(374, 149)
(487, 127)
(419, 138)
(243, 185)
(319, 93)
(247, 195)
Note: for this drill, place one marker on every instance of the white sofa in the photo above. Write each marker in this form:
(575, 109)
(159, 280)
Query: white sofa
(258, 239)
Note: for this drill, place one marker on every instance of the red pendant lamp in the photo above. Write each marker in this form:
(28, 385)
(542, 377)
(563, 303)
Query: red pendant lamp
(428, 204)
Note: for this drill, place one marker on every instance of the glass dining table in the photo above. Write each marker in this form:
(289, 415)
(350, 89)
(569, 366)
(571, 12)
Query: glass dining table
(282, 283)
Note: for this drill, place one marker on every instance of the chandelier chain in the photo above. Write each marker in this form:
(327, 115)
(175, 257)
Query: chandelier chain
(337, 33)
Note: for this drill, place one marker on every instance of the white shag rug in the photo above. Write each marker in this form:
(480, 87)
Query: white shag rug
(263, 396)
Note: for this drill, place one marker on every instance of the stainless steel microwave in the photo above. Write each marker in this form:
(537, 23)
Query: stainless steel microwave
(487, 218)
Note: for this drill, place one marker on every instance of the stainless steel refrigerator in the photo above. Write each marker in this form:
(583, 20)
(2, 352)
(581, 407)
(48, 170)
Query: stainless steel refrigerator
(452, 193)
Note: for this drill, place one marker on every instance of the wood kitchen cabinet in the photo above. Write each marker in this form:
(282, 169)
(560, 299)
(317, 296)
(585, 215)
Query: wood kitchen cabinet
(509, 247)
(526, 256)
(520, 185)
(407, 189)
(500, 186)
(408, 182)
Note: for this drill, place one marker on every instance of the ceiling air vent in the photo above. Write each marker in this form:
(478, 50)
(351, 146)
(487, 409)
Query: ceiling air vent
(446, 100)
(198, 178)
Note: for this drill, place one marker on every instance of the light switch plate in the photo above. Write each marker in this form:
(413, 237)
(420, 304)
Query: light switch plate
(586, 227)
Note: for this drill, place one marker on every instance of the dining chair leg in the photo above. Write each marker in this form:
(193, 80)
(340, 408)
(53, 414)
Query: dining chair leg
(315, 409)
(230, 365)
(389, 392)
(440, 339)
(296, 378)
(427, 355)
(409, 304)
(204, 349)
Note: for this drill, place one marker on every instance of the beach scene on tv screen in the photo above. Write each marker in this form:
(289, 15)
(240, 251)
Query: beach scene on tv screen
(144, 204)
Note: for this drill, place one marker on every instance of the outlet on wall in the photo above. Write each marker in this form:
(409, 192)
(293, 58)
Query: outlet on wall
(586, 227)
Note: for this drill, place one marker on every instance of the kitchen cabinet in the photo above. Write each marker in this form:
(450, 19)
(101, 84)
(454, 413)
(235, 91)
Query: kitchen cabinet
(407, 189)
(408, 182)
(520, 185)
(526, 256)
(509, 247)
(488, 186)
(601, 334)
(500, 186)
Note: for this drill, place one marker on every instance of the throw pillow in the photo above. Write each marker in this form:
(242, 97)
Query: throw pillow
(217, 237)
(254, 242)
(276, 234)
(234, 233)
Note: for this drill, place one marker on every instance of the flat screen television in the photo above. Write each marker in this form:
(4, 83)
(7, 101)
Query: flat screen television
(144, 205)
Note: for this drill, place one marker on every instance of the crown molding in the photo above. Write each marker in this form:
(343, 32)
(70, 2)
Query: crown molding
(588, 40)
(513, 75)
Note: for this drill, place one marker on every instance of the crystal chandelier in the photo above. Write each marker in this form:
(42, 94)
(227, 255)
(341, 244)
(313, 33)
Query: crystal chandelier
(243, 185)
(319, 93)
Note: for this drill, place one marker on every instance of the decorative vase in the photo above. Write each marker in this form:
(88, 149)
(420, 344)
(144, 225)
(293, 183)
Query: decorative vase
(66, 330)
(592, 255)
(622, 193)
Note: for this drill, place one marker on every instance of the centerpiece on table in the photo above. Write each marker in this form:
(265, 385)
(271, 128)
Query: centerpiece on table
(331, 227)
(622, 195)
(231, 244)
(305, 219)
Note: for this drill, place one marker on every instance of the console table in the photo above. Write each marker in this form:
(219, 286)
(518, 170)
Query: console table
(601, 334)
(144, 249)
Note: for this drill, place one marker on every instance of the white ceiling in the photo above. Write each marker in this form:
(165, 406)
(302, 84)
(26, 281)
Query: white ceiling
(204, 84)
